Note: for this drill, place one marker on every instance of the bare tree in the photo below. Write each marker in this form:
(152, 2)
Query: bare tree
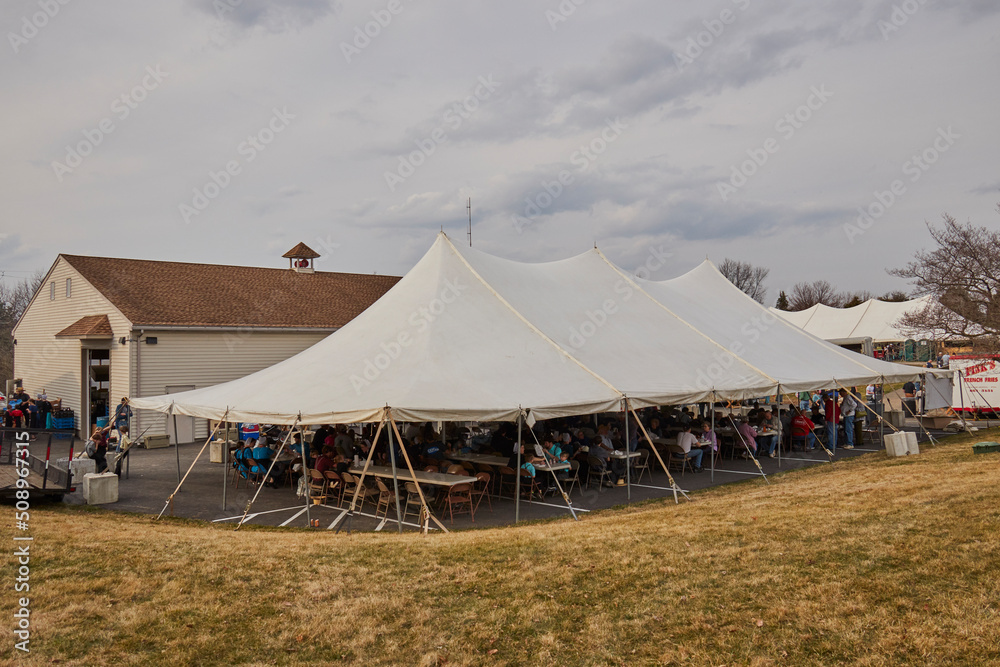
(807, 295)
(963, 274)
(895, 296)
(747, 277)
(13, 302)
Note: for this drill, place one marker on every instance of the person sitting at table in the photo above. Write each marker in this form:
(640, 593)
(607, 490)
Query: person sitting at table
(296, 446)
(689, 445)
(802, 427)
(708, 439)
(551, 447)
(261, 455)
(341, 464)
(654, 429)
(766, 443)
(528, 460)
(602, 453)
(431, 449)
(817, 417)
(747, 436)
(324, 461)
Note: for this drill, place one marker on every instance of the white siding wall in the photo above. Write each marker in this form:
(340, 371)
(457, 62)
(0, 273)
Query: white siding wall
(207, 358)
(44, 361)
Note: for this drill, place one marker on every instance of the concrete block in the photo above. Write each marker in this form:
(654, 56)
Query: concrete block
(100, 489)
(895, 444)
(216, 451)
(911, 443)
(79, 468)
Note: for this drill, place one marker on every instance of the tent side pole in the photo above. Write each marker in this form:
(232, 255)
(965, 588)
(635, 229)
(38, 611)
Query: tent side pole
(361, 480)
(746, 445)
(267, 476)
(364, 471)
(420, 492)
(777, 420)
(718, 445)
(170, 499)
(395, 481)
(673, 484)
(628, 461)
(546, 455)
(177, 446)
(517, 474)
(881, 421)
(225, 466)
(305, 470)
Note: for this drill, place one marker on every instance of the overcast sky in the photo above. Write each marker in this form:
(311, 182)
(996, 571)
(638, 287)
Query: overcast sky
(227, 131)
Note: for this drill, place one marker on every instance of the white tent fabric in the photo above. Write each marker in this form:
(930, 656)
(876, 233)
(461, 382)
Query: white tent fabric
(872, 319)
(469, 336)
(439, 345)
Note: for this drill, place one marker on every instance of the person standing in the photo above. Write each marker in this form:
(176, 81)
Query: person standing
(44, 409)
(123, 415)
(848, 408)
(831, 413)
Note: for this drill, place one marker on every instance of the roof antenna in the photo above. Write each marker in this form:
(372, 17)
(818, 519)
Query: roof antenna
(469, 207)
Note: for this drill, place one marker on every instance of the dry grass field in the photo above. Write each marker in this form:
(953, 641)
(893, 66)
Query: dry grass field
(868, 561)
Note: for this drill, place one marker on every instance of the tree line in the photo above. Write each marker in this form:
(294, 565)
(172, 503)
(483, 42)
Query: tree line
(962, 274)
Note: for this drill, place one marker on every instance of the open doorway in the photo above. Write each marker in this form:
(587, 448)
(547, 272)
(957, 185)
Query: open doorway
(96, 388)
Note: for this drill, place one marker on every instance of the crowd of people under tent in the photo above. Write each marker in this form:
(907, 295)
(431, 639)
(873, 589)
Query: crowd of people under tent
(749, 428)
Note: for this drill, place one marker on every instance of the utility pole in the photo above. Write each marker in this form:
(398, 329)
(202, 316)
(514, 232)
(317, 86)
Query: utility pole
(468, 206)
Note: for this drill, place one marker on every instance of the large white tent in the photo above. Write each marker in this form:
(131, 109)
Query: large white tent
(469, 336)
(872, 319)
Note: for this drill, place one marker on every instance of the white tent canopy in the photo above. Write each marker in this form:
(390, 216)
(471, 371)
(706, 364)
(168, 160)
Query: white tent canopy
(469, 336)
(872, 319)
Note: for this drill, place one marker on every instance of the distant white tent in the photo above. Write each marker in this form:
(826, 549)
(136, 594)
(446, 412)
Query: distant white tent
(469, 336)
(872, 319)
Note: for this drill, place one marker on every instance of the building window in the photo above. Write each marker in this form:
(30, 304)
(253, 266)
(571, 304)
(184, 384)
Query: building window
(52, 291)
(69, 287)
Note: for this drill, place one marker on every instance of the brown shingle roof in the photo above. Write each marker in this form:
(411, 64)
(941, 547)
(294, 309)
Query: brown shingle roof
(182, 294)
(91, 326)
(301, 251)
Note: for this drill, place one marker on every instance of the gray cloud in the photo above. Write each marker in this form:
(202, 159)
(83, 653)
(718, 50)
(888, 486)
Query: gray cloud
(270, 15)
